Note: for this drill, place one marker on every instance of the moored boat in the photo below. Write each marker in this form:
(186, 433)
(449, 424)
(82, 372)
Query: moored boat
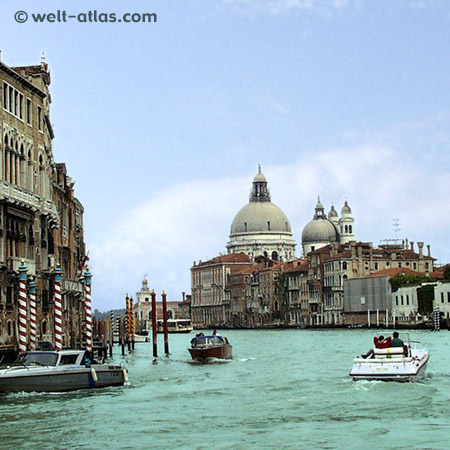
(176, 326)
(207, 347)
(403, 364)
(53, 371)
(137, 338)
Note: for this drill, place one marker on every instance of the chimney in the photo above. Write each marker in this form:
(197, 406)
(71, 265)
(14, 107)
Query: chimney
(406, 244)
(412, 245)
(420, 245)
(429, 251)
(184, 296)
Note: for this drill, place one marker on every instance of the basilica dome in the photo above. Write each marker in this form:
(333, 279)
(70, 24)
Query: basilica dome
(260, 216)
(318, 230)
(260, 227)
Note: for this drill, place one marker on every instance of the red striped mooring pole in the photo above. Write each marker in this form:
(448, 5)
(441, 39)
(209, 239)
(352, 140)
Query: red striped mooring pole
(22, 307)
(87, 282)
(32, 292)
(58, 309)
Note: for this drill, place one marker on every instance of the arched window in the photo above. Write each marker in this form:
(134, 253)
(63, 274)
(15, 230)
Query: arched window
(346, 228)
(344, 265)
(44, 327)
(349, 228)
(6, 139)
(276, 305)
(275, 256)
(268, 225)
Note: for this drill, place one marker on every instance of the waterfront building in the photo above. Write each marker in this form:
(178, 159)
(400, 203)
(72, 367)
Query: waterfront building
(210, 304)
(261, 227)
(372, 299)
(298, 291)
(41, 221)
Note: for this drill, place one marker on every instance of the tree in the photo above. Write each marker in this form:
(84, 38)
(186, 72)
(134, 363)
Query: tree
(425, 297)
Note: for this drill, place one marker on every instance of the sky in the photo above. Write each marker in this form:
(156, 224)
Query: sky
(162, 125)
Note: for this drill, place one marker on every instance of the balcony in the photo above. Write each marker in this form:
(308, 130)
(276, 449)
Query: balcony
(16, 195)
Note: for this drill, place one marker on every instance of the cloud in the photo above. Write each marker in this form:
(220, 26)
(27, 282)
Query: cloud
(191, 221)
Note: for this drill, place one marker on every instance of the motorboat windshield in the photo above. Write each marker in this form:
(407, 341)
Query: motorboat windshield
(37, 359)
(207, 340)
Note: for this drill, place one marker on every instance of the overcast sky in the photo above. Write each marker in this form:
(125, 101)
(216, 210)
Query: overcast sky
(163, 125)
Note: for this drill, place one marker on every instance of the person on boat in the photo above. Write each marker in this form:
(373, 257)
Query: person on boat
(214, 332)
(396, 341)
(382, 342)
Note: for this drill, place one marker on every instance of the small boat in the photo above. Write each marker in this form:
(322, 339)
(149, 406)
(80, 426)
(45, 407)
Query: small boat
(176, 326)
(206, 347)
(404, 364)
(53, 371)
(138, 337)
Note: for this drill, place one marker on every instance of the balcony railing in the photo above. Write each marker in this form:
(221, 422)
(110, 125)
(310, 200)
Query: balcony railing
(19, 196)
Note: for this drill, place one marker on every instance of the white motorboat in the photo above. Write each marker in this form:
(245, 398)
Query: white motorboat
(137, 338)
(52, 371)
(404, 364)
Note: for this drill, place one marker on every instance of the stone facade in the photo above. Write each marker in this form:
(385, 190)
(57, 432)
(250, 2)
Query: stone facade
(41, 221)
(210, 302)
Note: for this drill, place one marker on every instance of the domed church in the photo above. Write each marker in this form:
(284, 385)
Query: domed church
(260, 227)
(320, 231)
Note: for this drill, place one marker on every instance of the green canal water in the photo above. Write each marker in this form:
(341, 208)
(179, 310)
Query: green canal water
(284, 389)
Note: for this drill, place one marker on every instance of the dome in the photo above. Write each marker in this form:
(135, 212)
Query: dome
(260, 217)
(318, 230)
(332, 212)
(346, 209)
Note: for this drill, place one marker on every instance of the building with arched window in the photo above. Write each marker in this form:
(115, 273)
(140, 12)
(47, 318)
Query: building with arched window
(41, 221)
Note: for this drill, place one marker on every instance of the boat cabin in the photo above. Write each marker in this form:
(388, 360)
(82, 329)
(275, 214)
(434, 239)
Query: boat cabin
(203, 341)
(62, 358)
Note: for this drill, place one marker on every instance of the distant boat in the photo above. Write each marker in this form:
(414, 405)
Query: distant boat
(176, 326)
(141, 337)
(391, 364)
(207, 347)
(53, 371)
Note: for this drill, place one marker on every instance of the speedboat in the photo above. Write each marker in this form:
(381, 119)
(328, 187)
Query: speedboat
(56, 371)
(404, 364)
(204, 348)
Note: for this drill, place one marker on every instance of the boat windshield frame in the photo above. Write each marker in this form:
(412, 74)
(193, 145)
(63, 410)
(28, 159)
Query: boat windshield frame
(200, 341)
(37, 359)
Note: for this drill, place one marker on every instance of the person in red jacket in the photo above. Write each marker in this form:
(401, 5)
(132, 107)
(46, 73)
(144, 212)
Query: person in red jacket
(381, 342)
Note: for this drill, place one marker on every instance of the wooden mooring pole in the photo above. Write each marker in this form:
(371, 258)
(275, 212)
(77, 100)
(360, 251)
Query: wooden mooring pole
(154, 325)
(166, 330)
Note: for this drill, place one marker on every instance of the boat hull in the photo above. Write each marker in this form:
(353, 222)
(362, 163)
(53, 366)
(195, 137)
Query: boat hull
(401, 369)
(205, 353)
(41, 380)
